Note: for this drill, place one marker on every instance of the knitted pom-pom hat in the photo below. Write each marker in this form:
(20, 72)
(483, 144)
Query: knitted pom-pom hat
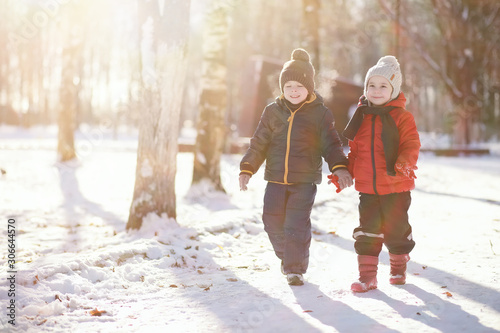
(387, 67)
(299, 69)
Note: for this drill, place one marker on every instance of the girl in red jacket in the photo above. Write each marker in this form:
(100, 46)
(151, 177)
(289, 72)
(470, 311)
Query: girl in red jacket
(384, 146)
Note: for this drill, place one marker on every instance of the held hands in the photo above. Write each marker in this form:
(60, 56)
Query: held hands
(335, 180)
(406, 170)
(244, 178)
(341, 178)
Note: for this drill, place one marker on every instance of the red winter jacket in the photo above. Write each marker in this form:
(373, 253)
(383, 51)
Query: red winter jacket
(366, 156)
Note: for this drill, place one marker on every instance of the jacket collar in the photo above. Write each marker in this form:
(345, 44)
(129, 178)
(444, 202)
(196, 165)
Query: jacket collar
(312, 99)
(399, 102)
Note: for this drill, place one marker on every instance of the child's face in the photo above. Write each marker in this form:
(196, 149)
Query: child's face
(294, 92)
(379, 90)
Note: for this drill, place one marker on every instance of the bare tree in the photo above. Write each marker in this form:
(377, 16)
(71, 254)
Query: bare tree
(165, 28)
(462, 55)
(213, 100)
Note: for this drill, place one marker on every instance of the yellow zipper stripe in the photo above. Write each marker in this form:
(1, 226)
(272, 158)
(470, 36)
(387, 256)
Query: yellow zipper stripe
(290, 120)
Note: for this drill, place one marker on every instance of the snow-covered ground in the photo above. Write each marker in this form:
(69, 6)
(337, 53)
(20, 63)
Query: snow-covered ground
(213, 270)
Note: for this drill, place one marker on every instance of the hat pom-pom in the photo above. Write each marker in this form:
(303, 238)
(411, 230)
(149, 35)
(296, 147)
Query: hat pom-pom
(389, 60)
(300, 54)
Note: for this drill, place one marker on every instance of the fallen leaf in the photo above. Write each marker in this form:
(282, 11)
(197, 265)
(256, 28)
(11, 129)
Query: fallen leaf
(97, 313)
(308, 311)
(419, 313)
(316, 232)
(205, 286)
(57, 298)
(173, 286)
(42, 322)
(416, 273)
(332, 233)
(443, 286)
(199, 272)
(232, 280)
(448, 294)
(424, 267)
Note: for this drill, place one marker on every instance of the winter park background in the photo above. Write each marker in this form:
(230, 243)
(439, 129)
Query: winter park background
(79, 80)
(214, 270)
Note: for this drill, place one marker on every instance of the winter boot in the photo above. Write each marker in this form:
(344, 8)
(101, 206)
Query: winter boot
(295, 279)
(367, 274)
(398, 268)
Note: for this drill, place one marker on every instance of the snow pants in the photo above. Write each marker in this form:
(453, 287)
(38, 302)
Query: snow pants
(383, 219)
(286, 217)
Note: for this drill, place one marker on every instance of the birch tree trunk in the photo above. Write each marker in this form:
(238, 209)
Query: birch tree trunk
(165, 27)
(310, 30)
(211, 126)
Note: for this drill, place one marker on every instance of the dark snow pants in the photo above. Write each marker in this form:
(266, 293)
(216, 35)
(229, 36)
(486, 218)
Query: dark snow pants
(383, 220)
(287, 211)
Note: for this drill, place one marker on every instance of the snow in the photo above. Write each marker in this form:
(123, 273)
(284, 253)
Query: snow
(213, 269)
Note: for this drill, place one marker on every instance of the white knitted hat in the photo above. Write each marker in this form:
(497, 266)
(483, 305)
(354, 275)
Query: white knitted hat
(388, 67)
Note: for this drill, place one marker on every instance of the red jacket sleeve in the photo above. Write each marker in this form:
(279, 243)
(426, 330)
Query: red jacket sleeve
(409, 141)
(351, 157)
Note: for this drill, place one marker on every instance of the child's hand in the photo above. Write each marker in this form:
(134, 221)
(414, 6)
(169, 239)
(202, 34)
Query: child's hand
(406, 170)
(345, 178)
(341, 178)
(244, 178)
(334, 179)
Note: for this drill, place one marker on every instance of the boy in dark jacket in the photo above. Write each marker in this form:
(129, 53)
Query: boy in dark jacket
(293, 135)
(384, 146)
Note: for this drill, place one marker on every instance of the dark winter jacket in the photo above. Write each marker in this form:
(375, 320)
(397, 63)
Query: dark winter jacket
(367, 160)
(292, 143)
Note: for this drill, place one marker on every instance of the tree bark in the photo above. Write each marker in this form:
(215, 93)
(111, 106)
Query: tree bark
(165, 28)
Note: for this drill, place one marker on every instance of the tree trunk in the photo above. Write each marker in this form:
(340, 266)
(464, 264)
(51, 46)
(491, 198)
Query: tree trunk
(211, 127)
(68, 100)
(310, 30)
(165, 28)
